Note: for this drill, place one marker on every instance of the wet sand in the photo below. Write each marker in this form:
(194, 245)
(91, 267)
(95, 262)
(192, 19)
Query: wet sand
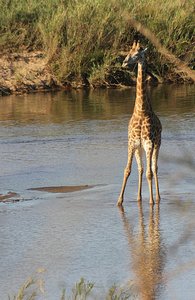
(8, 197)
(62, 189)
(15, 197)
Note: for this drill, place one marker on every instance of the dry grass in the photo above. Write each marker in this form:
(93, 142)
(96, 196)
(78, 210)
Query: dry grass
(82, 290)
(81, 37)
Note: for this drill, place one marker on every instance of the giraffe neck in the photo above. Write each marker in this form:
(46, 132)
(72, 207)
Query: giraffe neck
(142, 102)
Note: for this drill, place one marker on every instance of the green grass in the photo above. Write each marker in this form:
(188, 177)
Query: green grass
(82, 37)
(82, 290)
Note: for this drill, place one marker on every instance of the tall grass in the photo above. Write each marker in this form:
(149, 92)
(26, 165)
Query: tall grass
(82, 290)
(82, 37)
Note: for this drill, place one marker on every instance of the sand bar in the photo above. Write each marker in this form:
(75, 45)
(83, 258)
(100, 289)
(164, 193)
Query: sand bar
(62, 189)
(7, 197)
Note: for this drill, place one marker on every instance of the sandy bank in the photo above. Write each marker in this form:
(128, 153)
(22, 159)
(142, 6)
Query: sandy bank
(25, 73)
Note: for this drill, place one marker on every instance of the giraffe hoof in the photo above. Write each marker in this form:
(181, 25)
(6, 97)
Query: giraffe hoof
(157, 199)
(139, 199)
(120, 202)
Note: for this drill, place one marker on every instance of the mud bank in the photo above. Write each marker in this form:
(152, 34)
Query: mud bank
(30, 72)
(25, 73)
(62, 189)
(9, 197)
(12, 197)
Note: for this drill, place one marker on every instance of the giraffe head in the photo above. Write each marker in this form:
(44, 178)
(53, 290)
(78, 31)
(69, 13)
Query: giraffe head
(135, 55)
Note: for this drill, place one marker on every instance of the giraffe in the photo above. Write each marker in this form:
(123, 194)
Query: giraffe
(144, 130)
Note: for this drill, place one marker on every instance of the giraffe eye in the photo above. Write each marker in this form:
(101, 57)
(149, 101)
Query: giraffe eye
(134, 57)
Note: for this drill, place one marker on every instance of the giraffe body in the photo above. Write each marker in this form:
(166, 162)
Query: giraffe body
(144, 130)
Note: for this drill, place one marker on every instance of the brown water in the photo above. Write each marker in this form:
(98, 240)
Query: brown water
(80, 138)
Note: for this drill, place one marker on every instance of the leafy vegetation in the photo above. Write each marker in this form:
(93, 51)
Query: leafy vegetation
(82, 38)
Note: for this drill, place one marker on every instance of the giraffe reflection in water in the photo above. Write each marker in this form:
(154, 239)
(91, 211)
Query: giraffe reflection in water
(147, 253)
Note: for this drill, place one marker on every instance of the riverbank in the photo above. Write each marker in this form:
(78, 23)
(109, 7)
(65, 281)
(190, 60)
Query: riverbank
(25, 73)
(30, 72)
(57, 44)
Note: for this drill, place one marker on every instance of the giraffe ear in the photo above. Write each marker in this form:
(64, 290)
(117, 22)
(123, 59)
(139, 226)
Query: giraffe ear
(134, 45)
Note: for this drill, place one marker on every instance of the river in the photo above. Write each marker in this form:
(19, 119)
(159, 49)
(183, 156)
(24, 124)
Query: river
(80, 138)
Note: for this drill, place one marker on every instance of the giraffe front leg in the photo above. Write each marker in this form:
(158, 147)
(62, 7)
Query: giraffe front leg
(149, 150)
(127, 172)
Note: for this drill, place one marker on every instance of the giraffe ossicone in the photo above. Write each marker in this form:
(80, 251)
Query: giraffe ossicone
(144, 130)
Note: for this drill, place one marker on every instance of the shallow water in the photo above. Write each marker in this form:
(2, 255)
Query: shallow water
(80, 138)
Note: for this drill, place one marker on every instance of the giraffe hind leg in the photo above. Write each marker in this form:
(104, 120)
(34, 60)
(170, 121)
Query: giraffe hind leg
(155, 171)
(148, 147)
(138, 156)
